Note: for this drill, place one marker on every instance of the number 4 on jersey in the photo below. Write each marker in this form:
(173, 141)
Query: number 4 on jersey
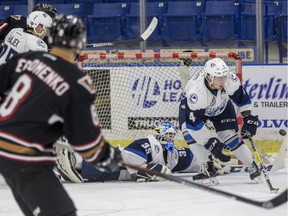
(192, 117)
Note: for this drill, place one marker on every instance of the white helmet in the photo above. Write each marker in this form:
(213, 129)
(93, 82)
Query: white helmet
(39, 17)
(216, 68)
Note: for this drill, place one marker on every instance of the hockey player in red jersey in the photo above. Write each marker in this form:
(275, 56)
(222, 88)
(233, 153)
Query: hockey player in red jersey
(48, 96)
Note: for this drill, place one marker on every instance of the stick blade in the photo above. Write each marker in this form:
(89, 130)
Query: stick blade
(150, 29)
(279, 200)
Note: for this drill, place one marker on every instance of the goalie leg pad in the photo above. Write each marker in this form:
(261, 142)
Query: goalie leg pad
(144, 176)
(65, 164)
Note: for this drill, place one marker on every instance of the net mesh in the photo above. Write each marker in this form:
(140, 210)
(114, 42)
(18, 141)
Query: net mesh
(137, 90)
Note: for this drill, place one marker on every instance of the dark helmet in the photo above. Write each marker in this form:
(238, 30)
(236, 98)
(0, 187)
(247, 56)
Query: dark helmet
(67, 31)
(47, 8)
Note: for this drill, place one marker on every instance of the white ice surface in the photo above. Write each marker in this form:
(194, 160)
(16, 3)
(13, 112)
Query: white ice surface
(164, 198)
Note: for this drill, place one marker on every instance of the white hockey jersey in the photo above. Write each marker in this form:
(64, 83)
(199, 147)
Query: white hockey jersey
(149, 151)
(202, 102)
(200, 97)
(19, 41)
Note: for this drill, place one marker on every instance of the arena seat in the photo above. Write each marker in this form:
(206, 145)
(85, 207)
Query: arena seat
(271, 12)
(107, 23)
(70, 9)
(5, 11)
(50, 1)
(9, 2)
(181, 21)
(20, 9)
(283, 21)
(219, 21)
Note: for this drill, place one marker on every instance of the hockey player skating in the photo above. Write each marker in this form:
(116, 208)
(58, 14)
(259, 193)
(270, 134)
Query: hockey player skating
(19, 21)
(48, 97)
(20, 40)
(210, 97)
(157, 151)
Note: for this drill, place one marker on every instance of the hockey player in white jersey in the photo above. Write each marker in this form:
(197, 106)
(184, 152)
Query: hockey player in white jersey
(156, 151)
(20, 40)
(209, 97)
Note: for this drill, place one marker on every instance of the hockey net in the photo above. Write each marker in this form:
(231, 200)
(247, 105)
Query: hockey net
(137, 90)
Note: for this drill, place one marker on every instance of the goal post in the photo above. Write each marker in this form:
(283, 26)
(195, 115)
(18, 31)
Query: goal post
(137, 90)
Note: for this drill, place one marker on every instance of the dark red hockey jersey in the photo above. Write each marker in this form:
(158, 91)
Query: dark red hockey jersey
(48, 97)
(14, 21)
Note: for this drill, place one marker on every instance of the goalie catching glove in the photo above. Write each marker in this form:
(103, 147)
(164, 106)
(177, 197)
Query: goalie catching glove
(249, 127)
(142, 176)
(218, 149)
(110, 159)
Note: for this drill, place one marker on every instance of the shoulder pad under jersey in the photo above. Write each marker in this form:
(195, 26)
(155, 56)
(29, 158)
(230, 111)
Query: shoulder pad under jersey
(197, 95)
(36, 44)
(232, 83)
(87, 83)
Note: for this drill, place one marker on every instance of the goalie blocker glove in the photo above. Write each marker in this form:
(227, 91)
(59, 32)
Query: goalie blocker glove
(109, 159)
(218, 148)
(249, 126)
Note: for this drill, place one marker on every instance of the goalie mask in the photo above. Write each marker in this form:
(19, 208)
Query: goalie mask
(67, 31)
(165, 134)
(216, 71)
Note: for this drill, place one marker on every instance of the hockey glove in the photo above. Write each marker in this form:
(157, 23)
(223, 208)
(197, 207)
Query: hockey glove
(249, 126)
(110, 162)
(142, 176)
(218, 149)
(187, 62)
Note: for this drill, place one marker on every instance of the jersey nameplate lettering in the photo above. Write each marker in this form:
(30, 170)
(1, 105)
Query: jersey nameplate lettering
(44, 73)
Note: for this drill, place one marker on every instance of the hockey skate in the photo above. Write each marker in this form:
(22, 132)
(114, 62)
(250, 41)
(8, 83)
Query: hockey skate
(255, 172)
(207, 176)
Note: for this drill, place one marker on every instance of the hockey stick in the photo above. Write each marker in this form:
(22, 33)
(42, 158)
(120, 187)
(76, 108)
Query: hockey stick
(282, 198)
(262, 168)
(143, 37)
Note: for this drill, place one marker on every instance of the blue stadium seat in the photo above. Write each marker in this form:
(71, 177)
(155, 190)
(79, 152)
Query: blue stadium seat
(70, 9)
(219, 21)
(5, 11)
(21, 9)
(126, 1)
(9, 2)
(271, 11)
(107, 23)
(283, 21)
(86, 1)
(181, 21)
(50, 1)
(88, 4)
(153, 9)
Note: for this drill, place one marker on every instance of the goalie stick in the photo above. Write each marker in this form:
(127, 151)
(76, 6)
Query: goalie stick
(280, 199)
(262, 167)
(143, 37)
